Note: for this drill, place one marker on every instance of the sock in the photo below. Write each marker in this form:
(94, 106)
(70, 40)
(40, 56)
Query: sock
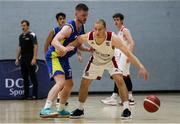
(60, 107)
(126, 105)
(114, 95)
(81, 106)
(130, 96)
(48, 104)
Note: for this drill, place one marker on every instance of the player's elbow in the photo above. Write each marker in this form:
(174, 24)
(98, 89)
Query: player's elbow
(53, 43)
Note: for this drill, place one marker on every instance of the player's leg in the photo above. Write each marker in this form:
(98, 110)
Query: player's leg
(46, 111)
(68, 86)
(125, 67)
(128, 82)
(124, 94)
(91, 72)
(83, 93)
(56, 71)
(116, 74)
(64, 95)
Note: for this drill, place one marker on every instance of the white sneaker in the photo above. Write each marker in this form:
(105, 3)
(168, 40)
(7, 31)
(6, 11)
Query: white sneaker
(131, 102)
(110, 101)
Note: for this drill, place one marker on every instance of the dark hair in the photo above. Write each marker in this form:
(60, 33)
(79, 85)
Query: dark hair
(26, 21)
(102, 22)
(60, 14)
(82, 6)
(119, 15)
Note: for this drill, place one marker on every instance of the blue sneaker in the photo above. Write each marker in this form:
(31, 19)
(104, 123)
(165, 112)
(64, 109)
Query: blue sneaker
(48, 113)
(63, 114)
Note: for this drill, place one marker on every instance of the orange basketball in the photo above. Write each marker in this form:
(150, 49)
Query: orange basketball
(151, 103)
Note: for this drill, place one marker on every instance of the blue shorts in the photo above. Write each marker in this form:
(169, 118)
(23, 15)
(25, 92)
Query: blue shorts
(58, 66)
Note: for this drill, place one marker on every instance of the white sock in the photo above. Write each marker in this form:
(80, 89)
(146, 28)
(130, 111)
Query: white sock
(130, 96)
(114, 95)
(81, 106)
(60, 107)
(126, 105)
(48, 104)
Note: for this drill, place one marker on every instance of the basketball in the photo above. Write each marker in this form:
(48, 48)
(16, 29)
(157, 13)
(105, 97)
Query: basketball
(151, 103)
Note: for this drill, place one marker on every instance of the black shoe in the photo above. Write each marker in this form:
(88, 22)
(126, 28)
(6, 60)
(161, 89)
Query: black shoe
(126, 114)
(66, 104)
(77, 114)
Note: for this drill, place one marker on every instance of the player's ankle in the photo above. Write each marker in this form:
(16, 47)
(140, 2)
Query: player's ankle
(125, 105)
(81, 106)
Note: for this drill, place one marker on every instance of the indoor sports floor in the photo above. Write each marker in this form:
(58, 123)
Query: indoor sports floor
(27, 111)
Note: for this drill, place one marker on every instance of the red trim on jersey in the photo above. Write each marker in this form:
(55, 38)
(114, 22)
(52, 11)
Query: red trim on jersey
(122, 28)
(98, 78)
(89, 64)
(126, 76)
(114, 62)
(109, 35)
(91, 36)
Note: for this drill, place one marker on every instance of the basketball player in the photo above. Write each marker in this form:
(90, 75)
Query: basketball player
(59, 68)
(104, 43)
(123, 62)
(61, 19)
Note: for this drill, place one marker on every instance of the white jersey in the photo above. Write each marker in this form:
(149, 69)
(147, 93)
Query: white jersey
(104, 52)
(120, 34)
(102, 58)
(120, 56)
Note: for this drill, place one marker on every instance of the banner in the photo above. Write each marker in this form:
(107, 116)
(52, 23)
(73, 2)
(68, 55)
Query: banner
(11, 82)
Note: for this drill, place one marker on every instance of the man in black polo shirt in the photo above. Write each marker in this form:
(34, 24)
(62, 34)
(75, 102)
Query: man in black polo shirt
(26, 57)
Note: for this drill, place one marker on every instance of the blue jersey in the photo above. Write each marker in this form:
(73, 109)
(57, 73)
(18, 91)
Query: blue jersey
(52, 51)
(56, 30)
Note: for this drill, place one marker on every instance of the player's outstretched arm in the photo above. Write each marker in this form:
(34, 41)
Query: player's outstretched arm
(79, 40)
(116, 42)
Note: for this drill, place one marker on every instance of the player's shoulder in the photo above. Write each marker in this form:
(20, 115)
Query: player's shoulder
(21, 35)
(124, 29)
(32, 34)
(56, 28)
(71, 24)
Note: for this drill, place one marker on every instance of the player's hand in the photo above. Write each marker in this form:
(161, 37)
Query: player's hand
(90, 49)
(17, 62)
(33, 61)
(143, 72)
(80, 59)
(62, 52)
(69, 48)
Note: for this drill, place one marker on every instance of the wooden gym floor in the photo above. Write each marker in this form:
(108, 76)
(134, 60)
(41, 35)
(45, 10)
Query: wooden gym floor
(27, 111)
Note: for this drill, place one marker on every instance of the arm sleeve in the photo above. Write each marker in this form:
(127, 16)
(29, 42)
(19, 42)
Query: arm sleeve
(33, 38)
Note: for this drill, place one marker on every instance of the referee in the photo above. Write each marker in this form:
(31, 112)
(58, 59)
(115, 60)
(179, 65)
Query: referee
(26, 57)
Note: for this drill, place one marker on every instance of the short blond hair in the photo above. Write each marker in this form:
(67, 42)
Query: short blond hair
(102, 21)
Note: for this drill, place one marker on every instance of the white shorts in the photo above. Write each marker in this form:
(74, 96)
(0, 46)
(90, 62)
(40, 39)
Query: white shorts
(94, 71)
(121, 59)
